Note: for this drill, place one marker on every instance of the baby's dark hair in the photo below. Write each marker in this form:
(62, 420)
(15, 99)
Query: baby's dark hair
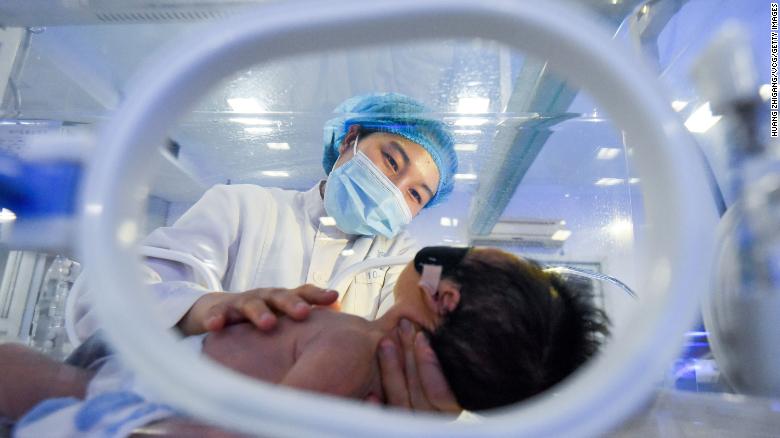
(516, 331)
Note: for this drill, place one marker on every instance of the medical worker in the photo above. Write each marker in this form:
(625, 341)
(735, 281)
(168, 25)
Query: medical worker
(386, 160)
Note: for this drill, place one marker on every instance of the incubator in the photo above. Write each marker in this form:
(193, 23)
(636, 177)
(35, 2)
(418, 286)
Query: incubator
(589, 137)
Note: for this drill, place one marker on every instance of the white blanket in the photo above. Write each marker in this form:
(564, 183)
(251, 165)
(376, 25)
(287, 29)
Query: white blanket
(116, 403)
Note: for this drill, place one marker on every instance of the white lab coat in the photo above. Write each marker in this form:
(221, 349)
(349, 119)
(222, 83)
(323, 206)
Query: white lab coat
(253, 237)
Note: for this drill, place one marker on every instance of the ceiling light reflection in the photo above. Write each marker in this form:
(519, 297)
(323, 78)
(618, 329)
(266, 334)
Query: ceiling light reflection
(607, 153)
(259, 130)
(470, 105)
(621, 229)
(765, 91)
(471, 121)
(245, 105)
(561, 235)
(448, 222)
(6, 216)
(679, 105)
(276, 173)
(467, 131)
(609, 182)
(702, 119)
(466, 147)
(465, 177)
(253, 121)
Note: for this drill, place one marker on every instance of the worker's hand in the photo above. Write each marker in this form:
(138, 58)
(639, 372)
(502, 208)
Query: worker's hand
(411, 374)
(214, 311)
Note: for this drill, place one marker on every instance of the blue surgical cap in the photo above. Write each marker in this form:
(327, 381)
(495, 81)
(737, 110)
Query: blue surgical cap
(395, 114)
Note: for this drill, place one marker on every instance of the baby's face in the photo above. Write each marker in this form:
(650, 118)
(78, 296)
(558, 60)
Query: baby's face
(407, 283)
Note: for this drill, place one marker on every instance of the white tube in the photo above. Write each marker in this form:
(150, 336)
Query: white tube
(679, 212)
(213, 282)
(70, 309)
(592, 275)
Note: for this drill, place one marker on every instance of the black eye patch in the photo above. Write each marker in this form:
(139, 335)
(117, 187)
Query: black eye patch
(447, 257)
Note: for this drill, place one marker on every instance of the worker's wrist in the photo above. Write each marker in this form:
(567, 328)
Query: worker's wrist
(192, 322)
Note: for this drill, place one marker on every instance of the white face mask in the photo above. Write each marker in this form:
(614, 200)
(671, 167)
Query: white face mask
(363, 200)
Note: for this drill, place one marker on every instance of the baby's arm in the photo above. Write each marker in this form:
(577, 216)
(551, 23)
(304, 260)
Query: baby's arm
(338, 362)
(28, 377)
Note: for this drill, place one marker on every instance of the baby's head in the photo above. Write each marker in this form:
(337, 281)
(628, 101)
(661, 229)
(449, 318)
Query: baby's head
(506, 329)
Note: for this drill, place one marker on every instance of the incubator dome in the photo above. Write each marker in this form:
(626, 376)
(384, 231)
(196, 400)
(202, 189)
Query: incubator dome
(547, 143)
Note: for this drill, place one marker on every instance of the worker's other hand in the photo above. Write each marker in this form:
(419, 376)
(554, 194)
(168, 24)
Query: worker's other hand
(216, 310)
(411, 374)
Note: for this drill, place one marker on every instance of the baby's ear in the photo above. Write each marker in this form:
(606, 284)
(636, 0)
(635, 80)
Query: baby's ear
(448, 297)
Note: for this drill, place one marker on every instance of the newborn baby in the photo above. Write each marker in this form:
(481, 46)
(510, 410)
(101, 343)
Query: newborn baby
(503, 330)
